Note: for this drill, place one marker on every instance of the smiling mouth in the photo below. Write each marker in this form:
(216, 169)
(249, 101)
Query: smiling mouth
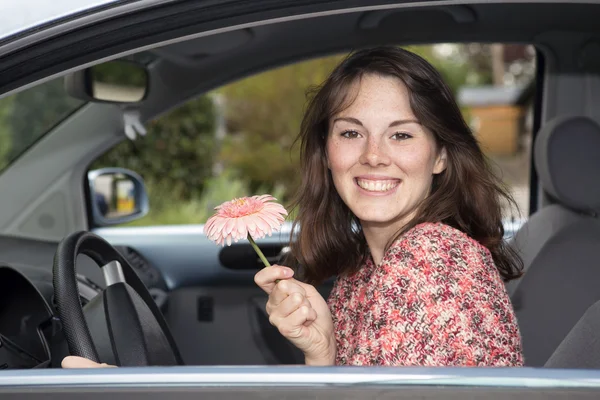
(381, 186)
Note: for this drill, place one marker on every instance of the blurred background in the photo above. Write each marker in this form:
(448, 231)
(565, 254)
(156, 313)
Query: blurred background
(238, 139)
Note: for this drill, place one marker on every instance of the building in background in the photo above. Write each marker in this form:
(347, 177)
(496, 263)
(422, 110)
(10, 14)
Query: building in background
(500, 116)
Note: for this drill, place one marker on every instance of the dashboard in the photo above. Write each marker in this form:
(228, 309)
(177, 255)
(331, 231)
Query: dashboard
(26, 319)
(30, 333)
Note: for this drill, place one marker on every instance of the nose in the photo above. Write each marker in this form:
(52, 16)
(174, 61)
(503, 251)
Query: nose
(374, 154)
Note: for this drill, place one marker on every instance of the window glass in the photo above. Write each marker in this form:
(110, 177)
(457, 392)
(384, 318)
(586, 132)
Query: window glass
(28, 115)
(238, 140)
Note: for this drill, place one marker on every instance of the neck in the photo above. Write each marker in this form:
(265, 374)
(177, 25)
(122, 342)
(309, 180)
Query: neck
(378, 236)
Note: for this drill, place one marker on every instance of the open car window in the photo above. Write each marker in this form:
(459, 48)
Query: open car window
(262, 113)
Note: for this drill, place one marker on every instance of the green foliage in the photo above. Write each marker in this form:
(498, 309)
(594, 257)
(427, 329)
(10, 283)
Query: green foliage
(35, 111)
(121, 73)
(166, 210)
(454, 70)
(264, 114)
(176, 155)
(28, 115)
(5, 131)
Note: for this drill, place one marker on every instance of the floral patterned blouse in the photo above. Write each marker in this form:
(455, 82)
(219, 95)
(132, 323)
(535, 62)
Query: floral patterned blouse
(436, 299)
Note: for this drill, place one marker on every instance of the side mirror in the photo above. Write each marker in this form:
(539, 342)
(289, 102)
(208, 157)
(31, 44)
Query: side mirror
(117, 196)
(117, 82)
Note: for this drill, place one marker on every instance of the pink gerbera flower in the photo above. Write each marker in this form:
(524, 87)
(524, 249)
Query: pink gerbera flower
(247, 217)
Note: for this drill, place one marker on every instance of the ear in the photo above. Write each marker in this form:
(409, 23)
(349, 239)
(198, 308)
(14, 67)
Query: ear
(440, 162)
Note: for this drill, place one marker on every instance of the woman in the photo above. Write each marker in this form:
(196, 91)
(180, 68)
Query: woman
(398, 203)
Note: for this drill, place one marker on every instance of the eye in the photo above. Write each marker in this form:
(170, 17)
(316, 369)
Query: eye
(401, 136)
(350, 134)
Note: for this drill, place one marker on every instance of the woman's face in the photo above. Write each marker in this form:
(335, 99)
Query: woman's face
(381, 158)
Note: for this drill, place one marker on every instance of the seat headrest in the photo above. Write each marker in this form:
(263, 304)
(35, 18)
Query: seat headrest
(567, 160)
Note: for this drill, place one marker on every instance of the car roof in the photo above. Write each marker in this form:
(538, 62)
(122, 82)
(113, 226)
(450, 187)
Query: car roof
(283, 33)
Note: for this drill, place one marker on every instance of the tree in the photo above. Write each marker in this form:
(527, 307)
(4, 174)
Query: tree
(35, 111)
(5, 131)
(175, 157)
(264, 114)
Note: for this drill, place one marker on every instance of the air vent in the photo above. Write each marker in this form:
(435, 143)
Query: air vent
(135, 259)
(147, 273)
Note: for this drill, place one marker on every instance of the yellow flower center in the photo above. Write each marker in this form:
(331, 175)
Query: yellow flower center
(239, 202)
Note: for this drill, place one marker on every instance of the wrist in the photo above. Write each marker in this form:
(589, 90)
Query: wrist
(321, 361)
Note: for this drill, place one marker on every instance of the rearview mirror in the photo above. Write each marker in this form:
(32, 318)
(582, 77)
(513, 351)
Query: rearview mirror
(119, 81)
(117, 195)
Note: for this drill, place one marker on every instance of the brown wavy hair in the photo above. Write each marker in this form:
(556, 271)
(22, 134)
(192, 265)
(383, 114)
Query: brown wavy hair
(467, 195)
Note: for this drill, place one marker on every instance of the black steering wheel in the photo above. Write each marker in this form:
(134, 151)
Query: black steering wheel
(120, 326)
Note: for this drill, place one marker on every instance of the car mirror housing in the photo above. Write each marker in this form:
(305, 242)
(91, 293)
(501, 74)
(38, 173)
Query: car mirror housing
(116, 196)
(115, 82)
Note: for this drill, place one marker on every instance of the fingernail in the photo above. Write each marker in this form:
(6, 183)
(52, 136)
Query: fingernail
(288, 272)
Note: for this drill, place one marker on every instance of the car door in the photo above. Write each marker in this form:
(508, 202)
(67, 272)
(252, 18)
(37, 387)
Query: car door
(57, 46)
(208, 294)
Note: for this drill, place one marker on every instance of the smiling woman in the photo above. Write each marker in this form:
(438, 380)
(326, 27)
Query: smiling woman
(398, 203)
(434, 295)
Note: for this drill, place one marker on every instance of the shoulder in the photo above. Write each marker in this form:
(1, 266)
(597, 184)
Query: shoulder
(440, 247)
(446, 282)
(435, 233)
(439, 239)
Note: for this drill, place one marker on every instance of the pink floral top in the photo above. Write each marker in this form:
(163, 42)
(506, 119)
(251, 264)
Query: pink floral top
(436, 299)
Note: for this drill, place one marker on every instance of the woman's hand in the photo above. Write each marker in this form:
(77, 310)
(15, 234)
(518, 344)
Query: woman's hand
(80, 362)
(300, 313)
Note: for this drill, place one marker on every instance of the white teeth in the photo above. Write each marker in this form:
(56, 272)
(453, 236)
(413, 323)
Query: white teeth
(376, 186)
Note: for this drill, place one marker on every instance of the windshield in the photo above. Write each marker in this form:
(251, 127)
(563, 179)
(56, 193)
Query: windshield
(28, 115)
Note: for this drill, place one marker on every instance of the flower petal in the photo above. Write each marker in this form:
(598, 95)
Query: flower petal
(229, 226)
(236, 219)
(269, 229)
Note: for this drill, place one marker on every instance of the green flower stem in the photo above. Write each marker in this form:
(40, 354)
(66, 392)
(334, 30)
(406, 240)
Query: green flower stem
(257, 250)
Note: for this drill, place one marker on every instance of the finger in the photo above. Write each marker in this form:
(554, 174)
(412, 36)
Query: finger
(80, 362)
(294, 326)
(286, 307)
(267, 277)
(283, 289)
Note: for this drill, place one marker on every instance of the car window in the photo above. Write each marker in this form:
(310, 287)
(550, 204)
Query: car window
(238, 140)
(28, 115)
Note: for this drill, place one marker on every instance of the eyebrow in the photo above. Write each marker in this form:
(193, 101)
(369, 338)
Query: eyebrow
(394, 123)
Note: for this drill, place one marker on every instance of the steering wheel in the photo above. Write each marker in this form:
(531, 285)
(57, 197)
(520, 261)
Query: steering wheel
(122, 325)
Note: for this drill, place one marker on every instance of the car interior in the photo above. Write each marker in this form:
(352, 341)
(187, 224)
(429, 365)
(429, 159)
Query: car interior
(189, 302)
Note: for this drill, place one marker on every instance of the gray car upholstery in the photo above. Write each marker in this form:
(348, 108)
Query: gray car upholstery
(581, 347)
(560, 244)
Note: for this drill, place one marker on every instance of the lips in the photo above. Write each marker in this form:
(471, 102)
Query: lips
(377, 185)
